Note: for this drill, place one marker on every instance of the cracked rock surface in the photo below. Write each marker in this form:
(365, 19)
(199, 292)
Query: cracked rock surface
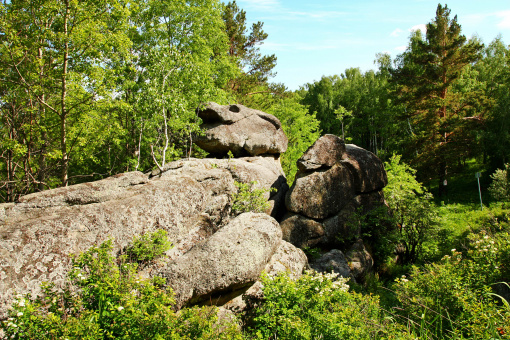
(333, 181)
(190, 199)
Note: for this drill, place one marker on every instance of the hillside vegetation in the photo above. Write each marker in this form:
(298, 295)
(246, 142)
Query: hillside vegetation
(94, 88)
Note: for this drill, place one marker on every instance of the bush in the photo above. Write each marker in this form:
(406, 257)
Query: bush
(107, 299)
(500, 186)
(411, 206)
(453, 299)
(249, 198)
(319, 306)
(148, 247)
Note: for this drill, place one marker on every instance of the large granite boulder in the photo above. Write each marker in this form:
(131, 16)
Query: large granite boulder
(227, 263)
(356, 263)
(241, 130)
(333, 183)
(287, 259)
(360, 260)
(190, 199)
(322, 193)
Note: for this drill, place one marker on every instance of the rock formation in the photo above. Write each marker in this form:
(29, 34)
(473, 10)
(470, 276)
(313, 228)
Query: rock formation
(239, 251)
(215, 258)
(190, 199)
(333, 181)
(241, 130)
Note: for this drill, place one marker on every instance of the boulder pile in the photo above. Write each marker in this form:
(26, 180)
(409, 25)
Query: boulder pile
(217, 258)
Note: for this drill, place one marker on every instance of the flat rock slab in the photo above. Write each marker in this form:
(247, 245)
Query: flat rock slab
(190, 199)
(38, 234)
(232, 259)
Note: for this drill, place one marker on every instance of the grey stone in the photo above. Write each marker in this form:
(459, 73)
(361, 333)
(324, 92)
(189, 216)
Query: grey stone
(241, 130)
(191, 200)
(287, 259)
(360, 260)
(332, 261)
(322, 193)
(367, 169)
(225, 264)
(301, 231)
(325, 152)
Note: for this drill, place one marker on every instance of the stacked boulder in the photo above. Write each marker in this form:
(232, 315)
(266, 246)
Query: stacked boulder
(216, 257)
(334, 181)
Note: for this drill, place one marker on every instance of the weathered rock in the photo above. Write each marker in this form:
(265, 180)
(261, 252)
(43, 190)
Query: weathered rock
(367, 169)
(343, 228)
(40, 232)
(287, 259)
(332, 261)
(321, 194)
(325, 152)
(241, 130)
(360, 260)
(191, 200)
(301, 231)
(333, 183)
(266, 171)
(227, 263)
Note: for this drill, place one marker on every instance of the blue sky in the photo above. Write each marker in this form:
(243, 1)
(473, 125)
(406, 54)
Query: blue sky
(313, 38)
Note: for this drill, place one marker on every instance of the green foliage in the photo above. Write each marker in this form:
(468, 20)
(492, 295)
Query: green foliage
(112, 302)
(411, 206)
(312, 253)
(356, 106)
(250, 86)
(452, 298)
(319, 306)
(500, 186)
(73, 110)
(249, 198)
(301, 128)
(443, 115)
(148, 247)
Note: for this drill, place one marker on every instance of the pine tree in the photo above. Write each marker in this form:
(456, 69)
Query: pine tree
(441, 114)
(256, 69)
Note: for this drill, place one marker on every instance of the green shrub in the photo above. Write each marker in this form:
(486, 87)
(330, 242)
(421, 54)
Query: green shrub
(500, 186)
(319, 307)
(249, 198)
(453, 298)
(107, 299)
(412, 208)
(148, 247)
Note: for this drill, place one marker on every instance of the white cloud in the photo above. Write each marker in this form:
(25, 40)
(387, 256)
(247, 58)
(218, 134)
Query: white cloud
(420, 27)
(396, 32)
(400, 49)
(505, 22)
(273, 47)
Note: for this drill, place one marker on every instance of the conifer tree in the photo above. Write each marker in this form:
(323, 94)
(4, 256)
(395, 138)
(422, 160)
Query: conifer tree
(256, 69)
(442, 116)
